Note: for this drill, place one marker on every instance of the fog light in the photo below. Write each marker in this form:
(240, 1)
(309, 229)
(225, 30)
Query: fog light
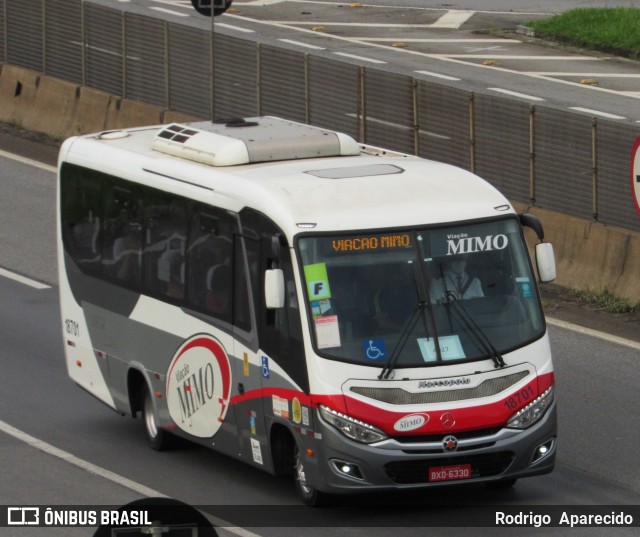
(347, 468)
(542, 451)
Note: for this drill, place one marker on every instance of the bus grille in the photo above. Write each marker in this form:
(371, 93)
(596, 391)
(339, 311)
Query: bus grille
(398, 396)
(486, 465)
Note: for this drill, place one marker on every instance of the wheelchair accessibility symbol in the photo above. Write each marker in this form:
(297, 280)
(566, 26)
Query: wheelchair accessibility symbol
(374, 349)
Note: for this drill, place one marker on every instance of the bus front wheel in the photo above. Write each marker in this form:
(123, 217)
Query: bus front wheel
(157, 438)
(308, 494)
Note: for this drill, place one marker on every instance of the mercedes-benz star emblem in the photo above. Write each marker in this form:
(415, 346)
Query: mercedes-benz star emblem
(450, 443)
(447, 420)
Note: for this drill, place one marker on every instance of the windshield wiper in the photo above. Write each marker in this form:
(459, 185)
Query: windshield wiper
(424, 300)
(404, 337)
(478, 334)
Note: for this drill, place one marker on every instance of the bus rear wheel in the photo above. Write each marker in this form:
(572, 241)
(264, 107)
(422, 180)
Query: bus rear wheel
(308, 494)
(157, 438)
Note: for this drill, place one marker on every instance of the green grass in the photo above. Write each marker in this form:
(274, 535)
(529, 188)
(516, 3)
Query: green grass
(607, 300)
(613, 30)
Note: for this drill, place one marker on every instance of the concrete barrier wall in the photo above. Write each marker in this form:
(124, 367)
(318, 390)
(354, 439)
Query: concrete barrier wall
(588, 254)
(62, 109)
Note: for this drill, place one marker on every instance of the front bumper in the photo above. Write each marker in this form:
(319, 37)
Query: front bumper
(340, 465)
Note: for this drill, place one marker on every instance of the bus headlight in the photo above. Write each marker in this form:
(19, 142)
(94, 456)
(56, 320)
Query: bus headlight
(355, 429)
(532, 413)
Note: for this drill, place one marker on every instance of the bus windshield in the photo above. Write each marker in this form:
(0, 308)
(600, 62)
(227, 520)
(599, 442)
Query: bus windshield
(432, 296)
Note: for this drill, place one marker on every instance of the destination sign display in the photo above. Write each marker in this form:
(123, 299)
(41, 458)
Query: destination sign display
(371, 242)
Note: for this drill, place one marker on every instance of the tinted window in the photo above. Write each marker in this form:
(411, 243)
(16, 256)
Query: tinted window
(155, 242)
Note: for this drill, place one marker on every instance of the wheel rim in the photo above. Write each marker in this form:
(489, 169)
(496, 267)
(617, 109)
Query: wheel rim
(149, 418)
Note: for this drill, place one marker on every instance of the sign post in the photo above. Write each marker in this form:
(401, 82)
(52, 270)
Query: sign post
(635, 174)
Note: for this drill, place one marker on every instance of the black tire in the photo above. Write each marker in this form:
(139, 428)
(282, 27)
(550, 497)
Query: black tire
(157, 438)
(308, 494)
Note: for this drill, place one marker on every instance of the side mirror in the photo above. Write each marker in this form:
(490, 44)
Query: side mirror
(546, 261)
(274, 289)
(532, 221)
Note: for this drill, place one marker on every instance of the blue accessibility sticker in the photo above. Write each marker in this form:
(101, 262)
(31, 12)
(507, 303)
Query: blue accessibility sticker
(374, 349)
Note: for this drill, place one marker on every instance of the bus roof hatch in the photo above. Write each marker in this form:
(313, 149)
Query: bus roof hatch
(251, 140)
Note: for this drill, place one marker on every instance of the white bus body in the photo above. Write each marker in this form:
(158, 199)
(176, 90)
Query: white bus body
(286, 296)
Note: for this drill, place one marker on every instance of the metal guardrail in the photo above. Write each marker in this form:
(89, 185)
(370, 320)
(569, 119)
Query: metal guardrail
(547, 157)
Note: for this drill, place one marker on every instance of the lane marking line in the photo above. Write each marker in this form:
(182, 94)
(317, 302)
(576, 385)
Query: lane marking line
(346, 55)
(438, 75)
(87, 466)
(441, 57)
(22, 279)
(596, 112)
(262, 3)
(169, 11)
(599, 75)
(301, 44)
(237, 28)
(593, 333)
(76, 461)
(30, 162)
(185, 4)
(517, 94)
(428, 40)
(516, 57)
(453, 19)
(329, 3)
(445, 58)
(352, 24)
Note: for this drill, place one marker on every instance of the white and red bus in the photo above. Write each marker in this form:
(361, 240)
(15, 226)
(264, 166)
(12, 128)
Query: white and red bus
(362, 319)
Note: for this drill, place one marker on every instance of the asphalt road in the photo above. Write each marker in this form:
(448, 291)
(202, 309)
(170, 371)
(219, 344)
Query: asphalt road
(596, 413)
(597, 395)
(468, 45)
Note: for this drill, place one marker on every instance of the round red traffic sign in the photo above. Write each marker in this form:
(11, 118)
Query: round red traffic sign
(635, 174)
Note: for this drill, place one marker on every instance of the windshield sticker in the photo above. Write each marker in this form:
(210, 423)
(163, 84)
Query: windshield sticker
(359, 244)
(375, 349)
(327, 332)
(320, 307)
(317, 281)
(450, 348)
(525, 287)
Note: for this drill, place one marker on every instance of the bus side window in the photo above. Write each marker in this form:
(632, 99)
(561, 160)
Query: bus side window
(280, 330)
(165, 236)
(241, 307)
(209, 260)
(82, 207)
(123, 234)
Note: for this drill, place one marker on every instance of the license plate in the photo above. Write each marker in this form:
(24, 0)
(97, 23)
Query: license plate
(450, 473)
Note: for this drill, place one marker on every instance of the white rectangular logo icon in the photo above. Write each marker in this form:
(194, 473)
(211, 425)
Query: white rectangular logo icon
(23, 516)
